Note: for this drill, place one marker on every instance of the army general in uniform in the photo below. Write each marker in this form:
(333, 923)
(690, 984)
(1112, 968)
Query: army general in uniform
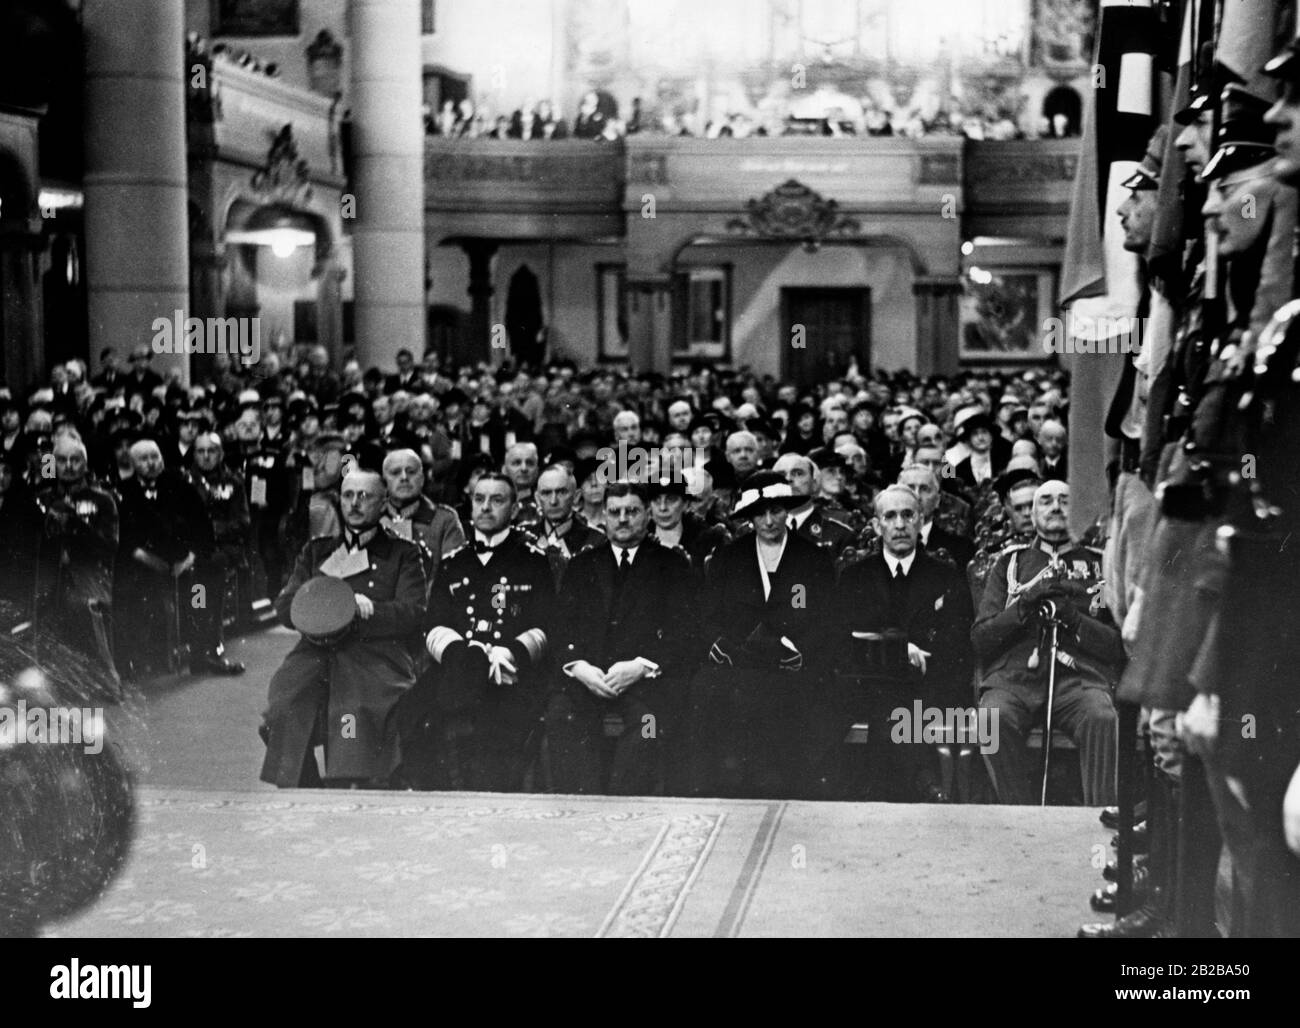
(355, 682)
(1012, 646)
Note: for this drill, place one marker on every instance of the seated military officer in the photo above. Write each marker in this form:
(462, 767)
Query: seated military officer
(560, 532)
(409, 514)
(356, 680)
(1026, 587)
(488, 641)
(622, 638)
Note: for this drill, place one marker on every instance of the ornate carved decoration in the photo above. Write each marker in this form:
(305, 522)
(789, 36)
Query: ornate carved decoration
(284, 179)
(793, 211)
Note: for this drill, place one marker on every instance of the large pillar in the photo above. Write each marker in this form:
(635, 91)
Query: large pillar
(137, 231)
(388, 158)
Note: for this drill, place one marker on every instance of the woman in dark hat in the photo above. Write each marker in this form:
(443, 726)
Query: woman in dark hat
(766, 601)
(989, 452)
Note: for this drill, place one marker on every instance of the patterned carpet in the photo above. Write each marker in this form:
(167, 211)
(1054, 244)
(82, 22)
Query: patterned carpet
(320, 863)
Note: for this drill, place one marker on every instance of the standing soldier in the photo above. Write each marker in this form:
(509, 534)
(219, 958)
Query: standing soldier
(488, 642)
(1245, 720)
(222, 493)
(76, 567)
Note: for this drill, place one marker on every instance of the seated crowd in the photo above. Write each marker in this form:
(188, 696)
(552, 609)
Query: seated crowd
(581, 581)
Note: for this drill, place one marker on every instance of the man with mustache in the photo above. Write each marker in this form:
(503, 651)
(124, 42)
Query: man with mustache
(1010, 638)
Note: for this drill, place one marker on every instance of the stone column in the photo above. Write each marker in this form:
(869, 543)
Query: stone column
(938, 325)
(388, 158)
(480, 253)
(137, 231)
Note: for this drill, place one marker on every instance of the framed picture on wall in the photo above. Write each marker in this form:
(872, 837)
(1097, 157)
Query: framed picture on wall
(702, 314)
(255, 18)
(611, 312)
(1002, 313)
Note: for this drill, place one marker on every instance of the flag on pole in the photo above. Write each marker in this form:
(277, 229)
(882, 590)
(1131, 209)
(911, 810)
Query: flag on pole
(1100, 279)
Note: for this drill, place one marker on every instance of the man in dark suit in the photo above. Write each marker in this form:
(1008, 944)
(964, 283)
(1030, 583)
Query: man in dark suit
(903, 623)
(489, 613)
(622, 640)
(758, 711)
(407, 377)
(164, 532)
(355, 682)
(932, 537)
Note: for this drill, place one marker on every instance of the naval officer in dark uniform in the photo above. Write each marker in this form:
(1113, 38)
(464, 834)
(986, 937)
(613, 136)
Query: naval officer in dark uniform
(488, 642)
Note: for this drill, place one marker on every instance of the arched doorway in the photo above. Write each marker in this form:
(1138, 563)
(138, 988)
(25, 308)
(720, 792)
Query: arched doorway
(281, 268)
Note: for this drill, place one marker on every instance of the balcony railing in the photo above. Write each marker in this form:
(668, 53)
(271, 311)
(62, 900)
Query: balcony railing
(514, 189)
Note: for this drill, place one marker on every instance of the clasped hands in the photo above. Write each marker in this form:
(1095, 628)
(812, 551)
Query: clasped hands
(611, 684)
(1058, 593)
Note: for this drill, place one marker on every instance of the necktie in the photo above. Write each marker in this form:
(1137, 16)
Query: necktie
(624, 570)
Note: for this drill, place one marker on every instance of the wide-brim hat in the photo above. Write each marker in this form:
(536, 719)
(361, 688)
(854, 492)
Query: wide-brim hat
(970, 419)
(765, 489)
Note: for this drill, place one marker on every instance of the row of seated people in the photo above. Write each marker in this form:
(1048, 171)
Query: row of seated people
(641, 668)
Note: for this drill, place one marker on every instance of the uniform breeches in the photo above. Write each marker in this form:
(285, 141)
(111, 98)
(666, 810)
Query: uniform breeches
(1084, 712)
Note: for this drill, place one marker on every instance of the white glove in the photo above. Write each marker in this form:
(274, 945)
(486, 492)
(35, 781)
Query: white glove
(502, 670)
(1291, 814)
(917, 657)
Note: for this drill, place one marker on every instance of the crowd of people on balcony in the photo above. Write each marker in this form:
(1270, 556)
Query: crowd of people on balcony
(599, 119)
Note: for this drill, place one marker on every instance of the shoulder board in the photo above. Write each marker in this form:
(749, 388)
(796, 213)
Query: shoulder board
(457, 551)
(838, 523)
(449, 510)
(532, 546)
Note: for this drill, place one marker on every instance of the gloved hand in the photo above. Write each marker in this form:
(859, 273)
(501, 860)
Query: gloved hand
(502, 668)
(718, 652)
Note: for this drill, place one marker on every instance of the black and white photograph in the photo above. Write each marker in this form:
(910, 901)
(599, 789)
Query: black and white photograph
(590, 469)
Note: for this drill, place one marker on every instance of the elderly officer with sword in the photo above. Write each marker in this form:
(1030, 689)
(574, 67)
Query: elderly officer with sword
(1048, 648)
